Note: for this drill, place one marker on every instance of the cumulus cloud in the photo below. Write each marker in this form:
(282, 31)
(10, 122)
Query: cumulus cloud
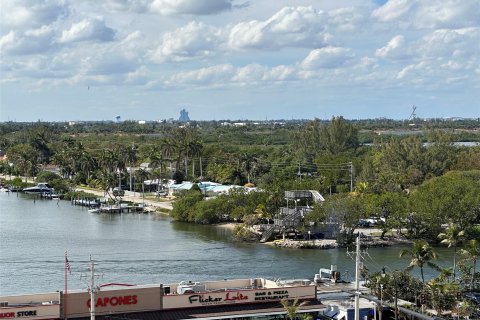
(138, 6)
(88, 30)
(196, 7)
(193, 40)
(444, 56)
(450, 44)
(289, 27)
(28, 42)
(394, 48)
(255, 73)
(345, 19)
(30, 14)
(430, 14)
(326, 58)
(392, 10)
(214, 75)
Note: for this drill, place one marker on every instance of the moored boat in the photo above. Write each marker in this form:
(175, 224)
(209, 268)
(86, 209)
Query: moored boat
(40, 188)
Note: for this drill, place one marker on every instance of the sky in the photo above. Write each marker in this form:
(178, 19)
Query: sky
(238, 59)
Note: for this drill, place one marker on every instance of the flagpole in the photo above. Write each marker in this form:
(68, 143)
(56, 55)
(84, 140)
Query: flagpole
(65, 291)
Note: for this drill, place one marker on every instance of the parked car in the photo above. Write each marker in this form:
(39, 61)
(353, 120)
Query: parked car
(161, 193)
(118, 192)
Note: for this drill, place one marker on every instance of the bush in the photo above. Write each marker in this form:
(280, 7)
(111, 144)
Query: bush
(47, 176)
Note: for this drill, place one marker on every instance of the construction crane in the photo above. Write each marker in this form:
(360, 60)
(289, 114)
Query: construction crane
(413, 116)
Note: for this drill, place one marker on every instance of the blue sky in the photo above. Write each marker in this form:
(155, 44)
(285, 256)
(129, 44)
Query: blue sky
(238, 59)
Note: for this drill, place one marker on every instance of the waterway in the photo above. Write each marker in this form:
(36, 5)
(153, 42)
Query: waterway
(134, 248)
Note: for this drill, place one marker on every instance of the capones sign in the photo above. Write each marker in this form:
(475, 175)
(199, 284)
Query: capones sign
(114, 301)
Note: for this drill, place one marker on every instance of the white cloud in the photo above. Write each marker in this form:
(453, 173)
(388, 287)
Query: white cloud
(194, 7)
(430, 14)
(444, 56)
(88, 30)
(289, 27)
(446, 43)
(345, 19)
(28, 14)
(392, 10)
(139, 6)
(29, 42)
(193, 40)
(394, 48)
(326, 58)
(214, 75)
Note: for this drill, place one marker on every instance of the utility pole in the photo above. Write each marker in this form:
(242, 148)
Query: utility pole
(357, 280)
(92, 288)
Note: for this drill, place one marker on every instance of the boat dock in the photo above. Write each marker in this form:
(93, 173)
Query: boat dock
(122, 208)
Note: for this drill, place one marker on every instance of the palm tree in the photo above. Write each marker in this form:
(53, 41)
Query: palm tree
(195, 150)
(157, 161)
(130, 157)
(291, 307)
(248, 163)
(169, 150)
(107, 181)
(452, 237)
(471, 252)
(421, 254)
(142, 175)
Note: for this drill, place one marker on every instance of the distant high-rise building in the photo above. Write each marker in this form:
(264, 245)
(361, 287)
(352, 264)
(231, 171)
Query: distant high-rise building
(183, 116)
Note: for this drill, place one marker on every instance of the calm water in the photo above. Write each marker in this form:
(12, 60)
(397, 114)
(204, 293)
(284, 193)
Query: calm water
(143, 249)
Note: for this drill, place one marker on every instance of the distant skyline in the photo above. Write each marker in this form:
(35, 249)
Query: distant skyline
(238, 59)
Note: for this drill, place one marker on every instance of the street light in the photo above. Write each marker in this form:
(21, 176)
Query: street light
(395, 286)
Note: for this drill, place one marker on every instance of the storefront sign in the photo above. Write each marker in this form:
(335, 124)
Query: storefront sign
(230, 297)
(114, 301)
(18, 314)
(237, 296)
(271, 295)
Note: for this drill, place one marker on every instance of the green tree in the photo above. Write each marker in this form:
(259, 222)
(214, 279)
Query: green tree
(453, 197)
(420, 254)
(184, 206)
(399, 163)
(292, 307)
(343, 210)
(25, 159)
(452, 237)
(471, 252)
(389, 209)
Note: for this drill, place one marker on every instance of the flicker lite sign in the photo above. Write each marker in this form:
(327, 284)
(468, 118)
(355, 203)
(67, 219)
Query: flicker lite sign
(237, 297)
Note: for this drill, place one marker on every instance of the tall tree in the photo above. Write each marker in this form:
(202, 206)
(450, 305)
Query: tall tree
(158, 162)
(471, 252)
(420, 254)
(453, 197)
(452, 237)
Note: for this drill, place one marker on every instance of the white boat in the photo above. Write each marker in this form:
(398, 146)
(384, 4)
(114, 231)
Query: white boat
(94, 210)
(41, 187)
(4, 189)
